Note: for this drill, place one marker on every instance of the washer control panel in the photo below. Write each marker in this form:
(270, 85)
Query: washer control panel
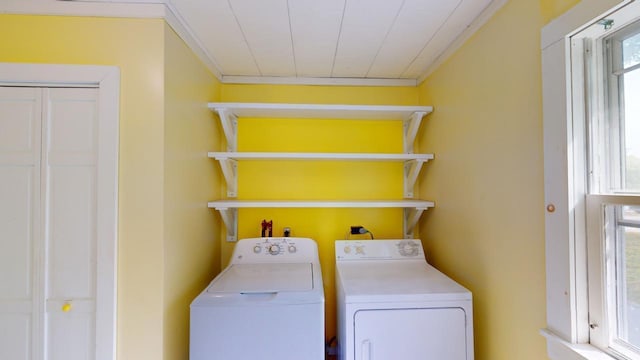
(379, 249)
(275, 249)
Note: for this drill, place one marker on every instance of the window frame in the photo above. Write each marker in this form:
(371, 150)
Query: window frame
(600, 272)
(567, 258)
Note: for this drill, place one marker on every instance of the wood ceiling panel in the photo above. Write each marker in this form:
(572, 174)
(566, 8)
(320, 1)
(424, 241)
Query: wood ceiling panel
(308, 41)
(315, 27)
(214, 24)
(364, 28)
(265, 25)
(416, 25)
(455, 25)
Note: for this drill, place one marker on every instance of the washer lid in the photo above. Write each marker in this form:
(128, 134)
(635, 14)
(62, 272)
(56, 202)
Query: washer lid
(263, 278)
(397, 281)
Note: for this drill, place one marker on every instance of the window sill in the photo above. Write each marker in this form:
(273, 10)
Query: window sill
(560, 349)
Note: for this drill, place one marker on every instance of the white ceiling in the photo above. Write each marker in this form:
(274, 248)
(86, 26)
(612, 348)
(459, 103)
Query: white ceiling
(250, 40)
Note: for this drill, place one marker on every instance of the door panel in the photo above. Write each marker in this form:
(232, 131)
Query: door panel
(71, 335)
(20, 113)
(410, 334)
(16, 243)
(70, 124)
(71, 234)
(15, 334)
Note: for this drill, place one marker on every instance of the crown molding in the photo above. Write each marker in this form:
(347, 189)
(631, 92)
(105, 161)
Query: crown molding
(81, 8)
(317, 81)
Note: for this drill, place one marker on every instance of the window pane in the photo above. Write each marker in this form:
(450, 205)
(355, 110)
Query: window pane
(628, 275)
(631, 51)
(632, 129)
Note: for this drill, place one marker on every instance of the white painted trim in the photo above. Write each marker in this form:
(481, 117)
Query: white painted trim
(580, 16)
(477, 23)
(317, 81)
(80, 8)
(107, 79)
(177, 23)
(559, 349)
(55, 75)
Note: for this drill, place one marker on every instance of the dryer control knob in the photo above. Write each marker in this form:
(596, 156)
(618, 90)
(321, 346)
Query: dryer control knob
(257, 249)
(274, 249)
(408, 249)
(292, 249)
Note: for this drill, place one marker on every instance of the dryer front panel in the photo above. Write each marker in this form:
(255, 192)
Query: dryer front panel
(410, 334)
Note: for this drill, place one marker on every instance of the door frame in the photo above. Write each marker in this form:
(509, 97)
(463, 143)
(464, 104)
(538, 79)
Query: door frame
(107, 80)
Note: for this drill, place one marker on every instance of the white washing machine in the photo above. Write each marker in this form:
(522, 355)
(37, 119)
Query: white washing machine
(267, 304)
(393, 305)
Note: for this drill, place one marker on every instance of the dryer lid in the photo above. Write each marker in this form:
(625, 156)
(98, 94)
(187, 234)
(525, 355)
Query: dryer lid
(264, 278)
(394, 280)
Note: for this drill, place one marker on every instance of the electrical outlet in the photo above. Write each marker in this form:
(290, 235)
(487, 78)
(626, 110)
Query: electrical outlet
(357, 230)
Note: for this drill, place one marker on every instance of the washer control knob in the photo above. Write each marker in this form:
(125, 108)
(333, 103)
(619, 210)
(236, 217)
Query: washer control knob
(292, 249)
(274, 249)
(257, 249)
(347, 249)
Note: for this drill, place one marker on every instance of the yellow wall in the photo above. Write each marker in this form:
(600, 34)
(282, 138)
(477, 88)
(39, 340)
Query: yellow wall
(551, 9)
(152, 151)
(319, 180)
(192, 231)
(487, 229)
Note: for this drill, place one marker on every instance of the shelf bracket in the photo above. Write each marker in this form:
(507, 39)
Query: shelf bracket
(230, 127)
(230, 171)
(410, 130)
(411, 171)
(411, 217)
(230, 218)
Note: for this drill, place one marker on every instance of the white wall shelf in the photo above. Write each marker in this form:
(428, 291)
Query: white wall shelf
(228, 164)
(318, 156)
(411, 116)
(229, 209)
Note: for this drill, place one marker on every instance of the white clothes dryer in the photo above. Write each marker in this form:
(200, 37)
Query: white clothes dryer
(393, 305)
(267, 304)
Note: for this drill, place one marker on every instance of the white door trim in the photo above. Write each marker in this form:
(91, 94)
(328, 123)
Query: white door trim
(107, 79)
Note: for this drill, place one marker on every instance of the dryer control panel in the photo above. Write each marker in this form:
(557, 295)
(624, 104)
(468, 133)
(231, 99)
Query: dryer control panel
(275, 249)
(402, 249)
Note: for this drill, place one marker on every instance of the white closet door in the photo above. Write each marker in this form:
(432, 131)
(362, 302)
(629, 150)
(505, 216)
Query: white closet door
(20, 313)
(54, 232)
(70, 155)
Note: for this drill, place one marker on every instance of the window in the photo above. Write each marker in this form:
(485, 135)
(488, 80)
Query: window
(605, 82)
